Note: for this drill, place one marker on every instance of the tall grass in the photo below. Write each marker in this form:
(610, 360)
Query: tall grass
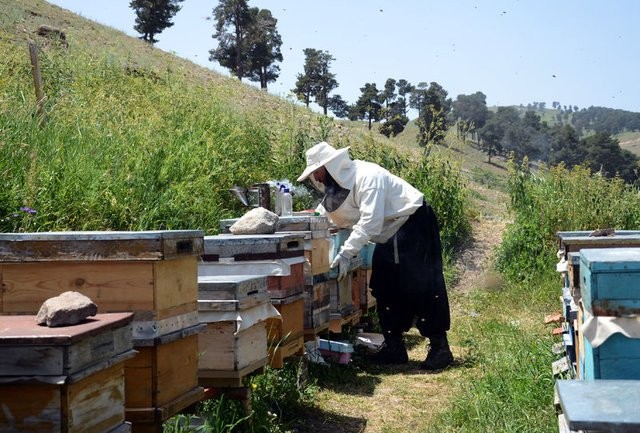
(560, 199)
(126, 147)
(509, 385)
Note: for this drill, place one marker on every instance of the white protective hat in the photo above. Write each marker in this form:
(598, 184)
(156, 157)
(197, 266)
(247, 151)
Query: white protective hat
(319, 155)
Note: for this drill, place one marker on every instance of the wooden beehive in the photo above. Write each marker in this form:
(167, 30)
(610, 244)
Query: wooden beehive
(317, 302)
(286, 334)
(610, 281)
(64, 379)
(162, 379)
(151, 273)
(253, 247)
(234, 342)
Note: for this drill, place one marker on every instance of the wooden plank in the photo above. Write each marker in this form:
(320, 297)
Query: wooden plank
(32, 350)
(222, 349)
(231, 287)
(177, 369)
(98, 246)
(38, 410)
(113, 286)
(96, 404)
(229, 378)
(600, 405)
(176, 284)
(291, 323)
(248, 247)
(283, 286)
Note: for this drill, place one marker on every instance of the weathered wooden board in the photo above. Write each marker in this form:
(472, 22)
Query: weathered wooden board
(600, 405)
(573, 241)
(316, 305)
(291, 323)
(231, 287)
(253, 247)
(341, 300)
(233, 304)
(92, 404)
(317, 253)
(221, 348)
(100, 245)
(153, 290)
(161, 373)
(284, 286)
(29, 349)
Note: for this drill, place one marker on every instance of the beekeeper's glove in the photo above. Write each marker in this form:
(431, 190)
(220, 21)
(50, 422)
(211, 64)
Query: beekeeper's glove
(342, 263)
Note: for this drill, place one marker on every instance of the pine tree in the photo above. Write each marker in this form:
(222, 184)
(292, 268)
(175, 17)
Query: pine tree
(153, 16)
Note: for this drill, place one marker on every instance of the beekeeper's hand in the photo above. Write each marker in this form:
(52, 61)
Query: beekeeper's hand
(342, 263)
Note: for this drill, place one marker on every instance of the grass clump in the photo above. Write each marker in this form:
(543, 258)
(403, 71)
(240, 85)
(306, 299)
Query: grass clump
(559, 199)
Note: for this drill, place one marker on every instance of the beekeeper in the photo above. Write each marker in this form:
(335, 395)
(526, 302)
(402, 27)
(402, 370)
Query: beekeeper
(407, 278)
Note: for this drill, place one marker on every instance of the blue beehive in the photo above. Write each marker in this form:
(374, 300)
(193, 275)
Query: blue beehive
(610, 281)
(617, 358)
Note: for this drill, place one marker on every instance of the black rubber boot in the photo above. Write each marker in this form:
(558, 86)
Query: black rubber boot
(393, 351)
(439, 355)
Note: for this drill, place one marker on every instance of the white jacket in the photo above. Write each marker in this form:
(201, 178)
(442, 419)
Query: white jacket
(377, 205)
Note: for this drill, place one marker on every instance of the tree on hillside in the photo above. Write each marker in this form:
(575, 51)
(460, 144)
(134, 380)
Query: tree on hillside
(368, 106)
(232, 22)
(565, 146)
(317, 81)
(153, 16)
(404, 88)
(417, 96)
(491, 135)
(339, 106)
(388, 95)
(471, 113)
(604, 155)
(434, 110)
(264, 44)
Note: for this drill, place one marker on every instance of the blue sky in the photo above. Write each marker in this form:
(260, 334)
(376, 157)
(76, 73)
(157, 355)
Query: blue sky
(576, 52)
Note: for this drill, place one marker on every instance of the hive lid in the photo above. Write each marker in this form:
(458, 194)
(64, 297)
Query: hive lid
(100, 245)
(23, 329)
(610, 259)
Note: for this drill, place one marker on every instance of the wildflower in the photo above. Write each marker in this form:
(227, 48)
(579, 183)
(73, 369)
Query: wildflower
(28, 210)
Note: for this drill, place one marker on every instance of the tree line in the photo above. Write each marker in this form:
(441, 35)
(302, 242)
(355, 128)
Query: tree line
(249, 46)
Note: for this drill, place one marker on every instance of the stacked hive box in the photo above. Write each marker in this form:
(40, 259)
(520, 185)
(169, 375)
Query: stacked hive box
(280, 257)
(343, 308)
(152, 274)
(235, 310)
(315, 230)
(64, 379)
(361, 278)
(570, 244)
(610, 287)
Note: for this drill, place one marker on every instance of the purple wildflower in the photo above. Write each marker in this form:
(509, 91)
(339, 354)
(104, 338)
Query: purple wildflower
(28, 210)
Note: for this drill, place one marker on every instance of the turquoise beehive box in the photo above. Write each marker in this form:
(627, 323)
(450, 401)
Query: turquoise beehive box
(610, 281)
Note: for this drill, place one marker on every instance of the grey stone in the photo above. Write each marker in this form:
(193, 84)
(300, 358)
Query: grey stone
(257, 221)
(67, 309)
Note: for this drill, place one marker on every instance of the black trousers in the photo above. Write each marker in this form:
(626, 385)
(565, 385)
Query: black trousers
(407, 278)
